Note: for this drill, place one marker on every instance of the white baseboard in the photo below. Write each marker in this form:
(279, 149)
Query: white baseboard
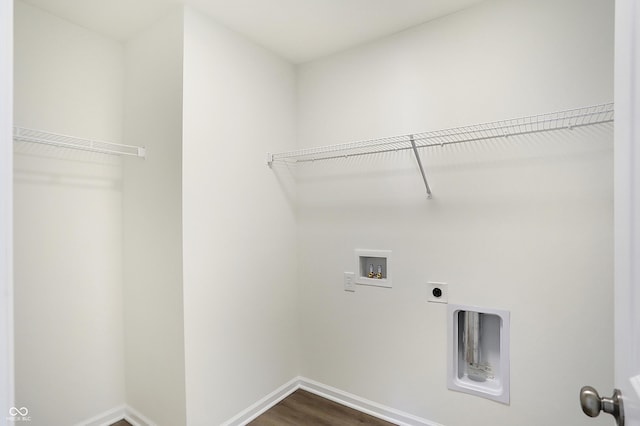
(115, 414)
(107, 418)
(136, 418)
(264, 404)
(366, 406)
(363, 405)
(341, 397)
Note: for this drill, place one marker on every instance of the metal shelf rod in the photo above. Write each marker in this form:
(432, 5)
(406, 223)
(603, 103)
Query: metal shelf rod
(476, 139)
(47, 138)
(568, 119)
(424, 177)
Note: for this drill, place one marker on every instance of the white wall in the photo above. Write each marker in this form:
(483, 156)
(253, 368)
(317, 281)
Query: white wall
(154, 349)
(68, 223)
(523, 224)
(6, 208)
(240, 290)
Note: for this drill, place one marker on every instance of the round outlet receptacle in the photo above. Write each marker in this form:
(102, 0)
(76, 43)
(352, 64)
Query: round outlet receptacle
(438, 292)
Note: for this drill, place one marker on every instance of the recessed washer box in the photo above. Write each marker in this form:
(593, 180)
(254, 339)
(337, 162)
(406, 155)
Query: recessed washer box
(373, 267)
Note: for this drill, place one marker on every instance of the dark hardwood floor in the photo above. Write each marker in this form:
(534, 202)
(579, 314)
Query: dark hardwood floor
(303, 408)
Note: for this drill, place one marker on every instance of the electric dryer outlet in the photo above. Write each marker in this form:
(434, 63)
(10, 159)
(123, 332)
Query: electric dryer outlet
(438, 292)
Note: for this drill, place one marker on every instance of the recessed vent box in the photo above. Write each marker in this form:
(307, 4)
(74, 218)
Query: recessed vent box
(478, 341)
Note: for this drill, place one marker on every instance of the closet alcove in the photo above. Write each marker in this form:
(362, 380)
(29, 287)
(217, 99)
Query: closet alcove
(98, 260)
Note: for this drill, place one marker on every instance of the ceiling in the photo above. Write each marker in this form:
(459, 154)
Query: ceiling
(298, 30)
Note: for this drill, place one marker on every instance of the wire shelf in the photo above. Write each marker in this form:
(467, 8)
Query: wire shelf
(38, 136)
(567, 119)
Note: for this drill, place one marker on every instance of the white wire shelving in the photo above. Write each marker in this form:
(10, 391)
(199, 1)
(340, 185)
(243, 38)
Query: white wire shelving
(41, 137)
(567, 119)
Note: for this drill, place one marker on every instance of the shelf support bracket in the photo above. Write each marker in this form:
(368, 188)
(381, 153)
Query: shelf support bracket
(424, 177)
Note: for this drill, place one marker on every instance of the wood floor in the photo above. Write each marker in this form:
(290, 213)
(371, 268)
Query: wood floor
(303, 408)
